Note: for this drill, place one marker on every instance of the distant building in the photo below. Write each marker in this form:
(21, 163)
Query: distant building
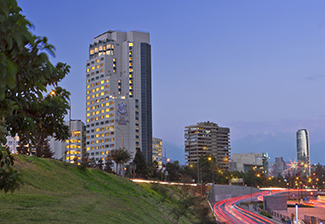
(207, 138)
(77, 143)
(157, 151)
(12, 144)
(279, 166)
(243, 162)
(303, 151)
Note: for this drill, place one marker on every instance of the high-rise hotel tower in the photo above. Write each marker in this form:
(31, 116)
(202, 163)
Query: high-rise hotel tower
(119, 112)
(303, 151)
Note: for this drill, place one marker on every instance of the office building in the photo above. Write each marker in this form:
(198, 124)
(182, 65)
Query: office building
(118, 97)
(157, 151)
(303, 151)
(207, 138)
(77, 143)
(243, 162)
(279, 166)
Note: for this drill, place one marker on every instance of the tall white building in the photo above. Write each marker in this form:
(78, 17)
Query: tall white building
(119, 112)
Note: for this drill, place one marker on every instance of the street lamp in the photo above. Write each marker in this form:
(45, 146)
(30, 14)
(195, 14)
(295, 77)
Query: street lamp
(112, 129)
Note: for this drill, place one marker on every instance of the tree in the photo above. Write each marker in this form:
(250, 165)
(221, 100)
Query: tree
(120, 157)
(140, 162)
(25, 74)
(108, 163)
(45, 149)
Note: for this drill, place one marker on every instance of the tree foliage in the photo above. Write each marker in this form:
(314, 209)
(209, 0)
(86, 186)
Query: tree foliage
(120, 157)
(25, 74)
(140, 162)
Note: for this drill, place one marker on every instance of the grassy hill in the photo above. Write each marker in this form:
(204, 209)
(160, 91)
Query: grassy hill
(57, 192)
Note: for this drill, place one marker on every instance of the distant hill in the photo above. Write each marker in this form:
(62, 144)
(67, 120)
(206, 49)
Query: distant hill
(280, 144)
(174, 152)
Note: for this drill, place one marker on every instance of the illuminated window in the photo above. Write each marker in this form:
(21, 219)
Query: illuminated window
(130, 52)
(108, 46)
(102, 94)
(97, 135)
(88, 86)
(100, 48)
(130, 87)
(97, 60)
(130, 81)
(88, 97)
(102, 82)
(130, 58)
(130, 44)
(91, 51)
(107, 110)
(93, 68)
(107, 80)
(87, 69)
(97, 66)
(87, 120)
(107, 104)
(131, 70)
(102, 87)
(107, 115)
(114, 59)
(102, 70)
(88, 148)
(97, 95)
(88, 114)
(96, 49)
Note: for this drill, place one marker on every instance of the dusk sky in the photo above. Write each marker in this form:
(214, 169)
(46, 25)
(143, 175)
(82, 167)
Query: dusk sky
(253, 66)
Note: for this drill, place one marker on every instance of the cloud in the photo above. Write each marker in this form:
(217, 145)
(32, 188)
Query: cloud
(315, 77)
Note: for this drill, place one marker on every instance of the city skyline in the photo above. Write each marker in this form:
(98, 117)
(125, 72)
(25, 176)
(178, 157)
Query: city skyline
(247, 66)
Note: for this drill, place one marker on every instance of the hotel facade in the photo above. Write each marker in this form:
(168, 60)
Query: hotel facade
(118, 94)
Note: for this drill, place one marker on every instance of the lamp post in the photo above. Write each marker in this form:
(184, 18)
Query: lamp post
(112, 129)
(70, 129)
(52, 93)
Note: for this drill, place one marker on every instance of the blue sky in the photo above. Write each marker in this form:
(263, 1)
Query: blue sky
(254, 66)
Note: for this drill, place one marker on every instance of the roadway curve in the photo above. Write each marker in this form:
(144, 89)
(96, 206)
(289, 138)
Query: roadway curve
(228, 210)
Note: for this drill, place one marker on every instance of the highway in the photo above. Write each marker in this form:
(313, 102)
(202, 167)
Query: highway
(228, 211)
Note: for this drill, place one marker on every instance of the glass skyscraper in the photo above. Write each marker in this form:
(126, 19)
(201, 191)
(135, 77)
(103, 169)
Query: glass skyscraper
(303, 151)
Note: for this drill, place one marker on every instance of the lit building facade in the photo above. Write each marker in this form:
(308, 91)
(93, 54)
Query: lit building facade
(207, 138)
(157, 151)
(118, 97)
(77, 143)
(12, 144)
(303, 151)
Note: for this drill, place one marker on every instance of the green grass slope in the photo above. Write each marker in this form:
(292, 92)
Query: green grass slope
(56, 192)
